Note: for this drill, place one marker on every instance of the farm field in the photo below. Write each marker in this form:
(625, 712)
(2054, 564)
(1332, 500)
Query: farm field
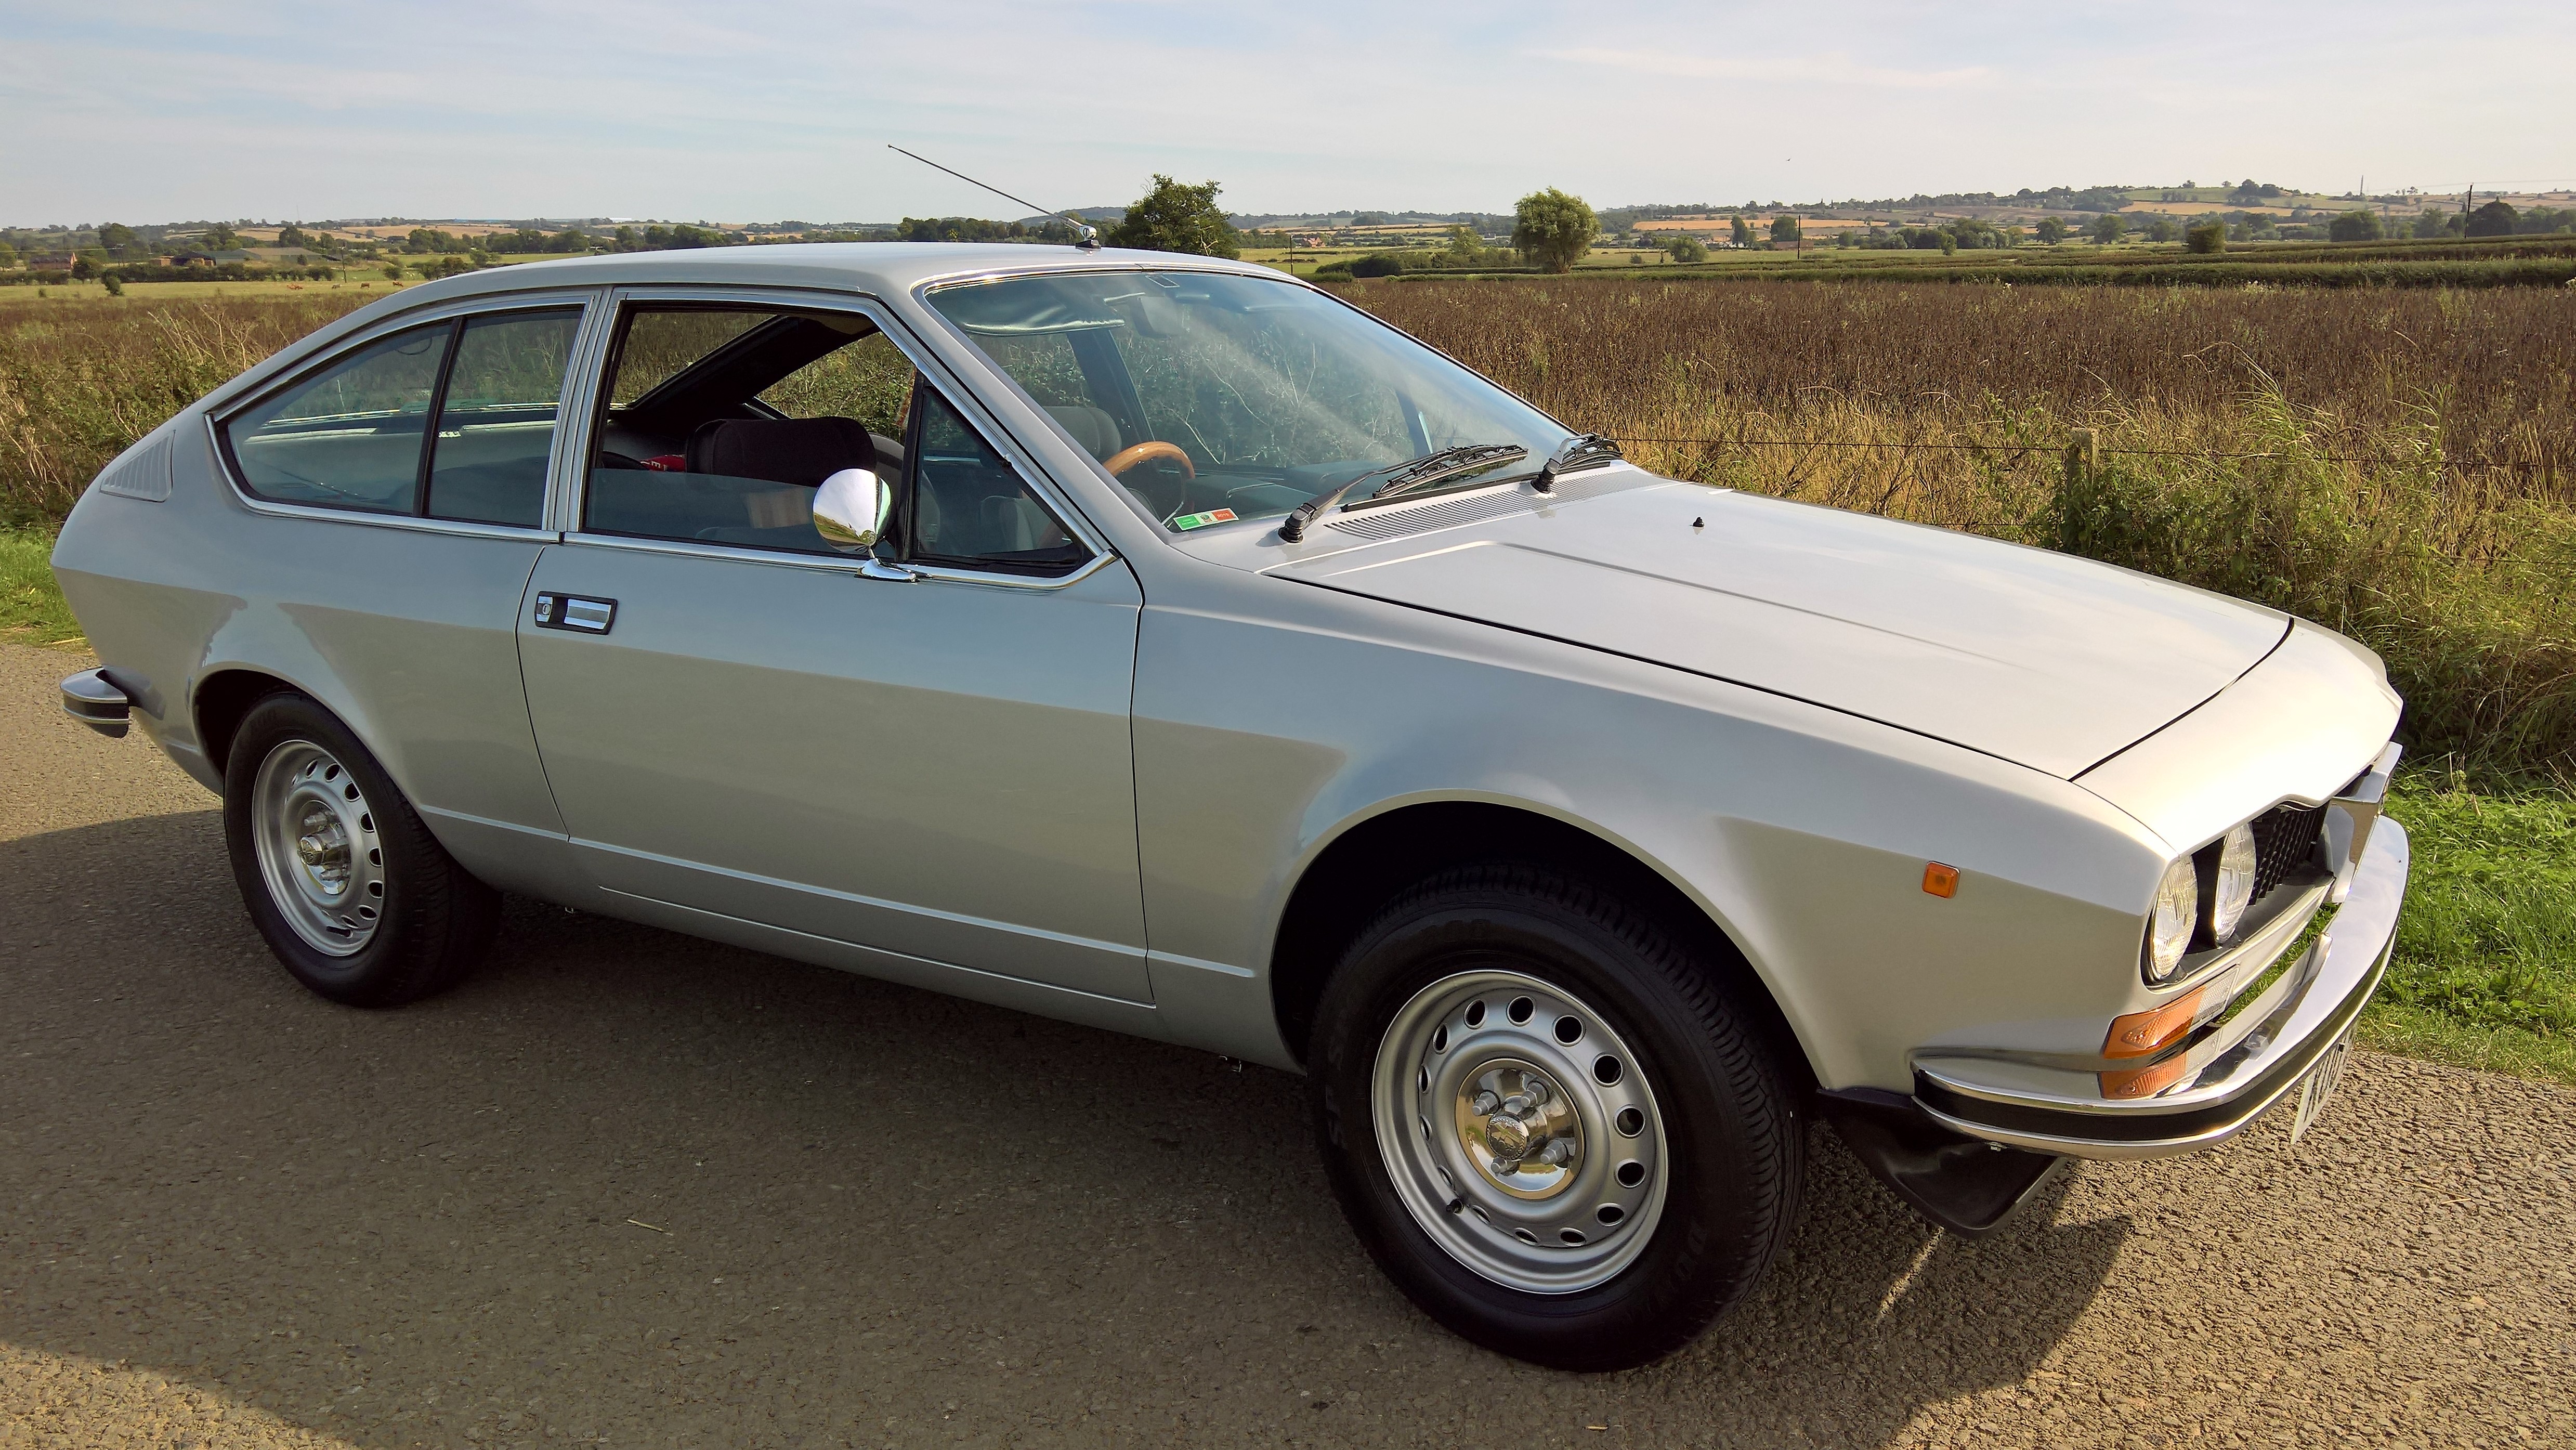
(2394, 463)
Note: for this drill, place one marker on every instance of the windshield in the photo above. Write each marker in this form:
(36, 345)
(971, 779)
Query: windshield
(1216, 398)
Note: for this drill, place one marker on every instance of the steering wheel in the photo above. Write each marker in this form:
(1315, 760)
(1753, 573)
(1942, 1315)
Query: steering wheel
(1159, 452)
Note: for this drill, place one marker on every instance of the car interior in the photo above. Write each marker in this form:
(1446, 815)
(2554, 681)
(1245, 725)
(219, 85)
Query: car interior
(704, 455)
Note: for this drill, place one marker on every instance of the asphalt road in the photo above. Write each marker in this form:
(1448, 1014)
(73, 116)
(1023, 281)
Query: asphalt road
(628, 1188)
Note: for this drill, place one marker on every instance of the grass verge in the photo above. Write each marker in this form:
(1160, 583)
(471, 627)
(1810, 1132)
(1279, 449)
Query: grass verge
(32, 610)
(2485, 970)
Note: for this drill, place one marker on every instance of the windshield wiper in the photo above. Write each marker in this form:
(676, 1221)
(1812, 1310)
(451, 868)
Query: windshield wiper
(1583, 450)
(1404, 477)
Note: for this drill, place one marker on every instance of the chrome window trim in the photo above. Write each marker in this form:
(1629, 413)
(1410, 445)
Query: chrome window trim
(216, 419)
(953, 389)
(842, 563)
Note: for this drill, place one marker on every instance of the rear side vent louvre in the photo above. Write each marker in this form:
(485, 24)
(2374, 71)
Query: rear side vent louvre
(142, 471)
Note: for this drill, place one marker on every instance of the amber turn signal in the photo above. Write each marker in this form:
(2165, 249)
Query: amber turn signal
(1940, 880)
(2146, 1082)
(2140, 1033)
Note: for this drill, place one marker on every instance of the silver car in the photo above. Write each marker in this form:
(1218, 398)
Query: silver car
(1162, 644)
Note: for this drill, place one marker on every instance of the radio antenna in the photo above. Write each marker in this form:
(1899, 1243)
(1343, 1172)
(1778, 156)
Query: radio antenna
(1088, 234)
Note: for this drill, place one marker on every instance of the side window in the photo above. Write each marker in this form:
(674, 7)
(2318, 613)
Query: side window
(349, 437)
(721, 421)
(496, 417)
(968, 506)
(868, 379)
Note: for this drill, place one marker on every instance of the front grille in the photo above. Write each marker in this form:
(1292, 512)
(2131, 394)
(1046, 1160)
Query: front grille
(2285, 842)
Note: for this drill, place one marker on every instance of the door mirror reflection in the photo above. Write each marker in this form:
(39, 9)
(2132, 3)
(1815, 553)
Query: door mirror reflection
(850, 509)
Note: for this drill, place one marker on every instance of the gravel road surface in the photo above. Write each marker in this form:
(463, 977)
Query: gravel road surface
(627, 1188)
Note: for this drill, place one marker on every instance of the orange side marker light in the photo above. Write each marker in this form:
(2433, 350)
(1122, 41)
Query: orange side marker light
(1940, 880)
(2140, 1033)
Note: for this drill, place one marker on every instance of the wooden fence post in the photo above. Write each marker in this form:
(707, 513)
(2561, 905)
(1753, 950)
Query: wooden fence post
(2074, 491)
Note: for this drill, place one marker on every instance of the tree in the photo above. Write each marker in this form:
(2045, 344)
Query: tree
(2164, 229)
(393, 271)
(2495, 219)
(2208, 236)
(2357, 225)
(2108, 229)
(115, 236)
(1465, 249)
(1742, 232)
(1687, 249)
(8, 255)
(2429, 225)
(1176, 218)
(86, 263)
(114, 284)
(1784, 231)
(2052, 229)
(221, 238)
(1553, 229)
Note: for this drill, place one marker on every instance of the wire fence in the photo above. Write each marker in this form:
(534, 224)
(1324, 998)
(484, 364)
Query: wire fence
(2050, 448)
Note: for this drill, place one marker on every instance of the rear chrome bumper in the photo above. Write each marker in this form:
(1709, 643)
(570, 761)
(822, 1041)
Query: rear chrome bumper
(98, 702)
(2233, 1069)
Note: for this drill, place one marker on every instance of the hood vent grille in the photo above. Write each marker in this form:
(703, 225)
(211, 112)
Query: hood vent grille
(1397, 521)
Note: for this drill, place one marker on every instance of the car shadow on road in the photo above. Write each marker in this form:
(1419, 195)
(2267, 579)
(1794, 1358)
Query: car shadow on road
(625, 1183)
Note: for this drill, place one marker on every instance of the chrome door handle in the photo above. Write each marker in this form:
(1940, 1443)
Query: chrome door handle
(579, 613)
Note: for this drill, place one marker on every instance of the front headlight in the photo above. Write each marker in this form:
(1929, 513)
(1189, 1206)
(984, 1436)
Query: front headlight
(2231, 885)
(2173, 919)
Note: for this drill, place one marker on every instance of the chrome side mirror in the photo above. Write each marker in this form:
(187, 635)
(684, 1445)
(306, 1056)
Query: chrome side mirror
(850, 509)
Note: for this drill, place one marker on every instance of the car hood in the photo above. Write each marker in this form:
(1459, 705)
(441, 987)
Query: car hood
(2044, 659)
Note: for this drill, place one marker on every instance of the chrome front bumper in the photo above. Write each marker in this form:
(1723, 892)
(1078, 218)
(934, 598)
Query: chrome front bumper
(2233, 1070)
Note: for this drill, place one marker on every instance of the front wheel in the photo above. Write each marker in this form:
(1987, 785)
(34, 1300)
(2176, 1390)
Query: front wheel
(1546, 1121)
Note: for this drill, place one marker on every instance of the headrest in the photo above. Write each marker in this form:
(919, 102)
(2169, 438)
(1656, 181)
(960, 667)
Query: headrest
(802, 451)
(1091, 427)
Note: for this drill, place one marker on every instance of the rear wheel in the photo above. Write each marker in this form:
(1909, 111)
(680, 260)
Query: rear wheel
(1546, 1121)
(352, 893)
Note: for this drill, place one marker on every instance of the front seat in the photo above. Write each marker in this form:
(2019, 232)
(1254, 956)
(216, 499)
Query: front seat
(798, 451)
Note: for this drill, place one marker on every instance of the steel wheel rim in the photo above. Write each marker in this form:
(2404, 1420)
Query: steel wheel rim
(318, 849)
(1479, 1177)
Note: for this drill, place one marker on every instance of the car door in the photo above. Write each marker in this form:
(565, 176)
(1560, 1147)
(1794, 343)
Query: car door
(926, 754)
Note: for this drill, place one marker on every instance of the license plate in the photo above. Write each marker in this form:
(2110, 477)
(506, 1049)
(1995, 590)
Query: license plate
(2318, 1087)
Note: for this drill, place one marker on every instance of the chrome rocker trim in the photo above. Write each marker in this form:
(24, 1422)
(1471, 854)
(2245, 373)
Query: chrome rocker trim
(2234, 1074)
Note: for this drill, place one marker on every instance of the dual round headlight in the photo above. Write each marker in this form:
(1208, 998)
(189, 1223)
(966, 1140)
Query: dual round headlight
(2200, 902)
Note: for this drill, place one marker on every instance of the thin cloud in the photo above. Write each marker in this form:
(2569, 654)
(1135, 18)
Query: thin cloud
(1833, 69)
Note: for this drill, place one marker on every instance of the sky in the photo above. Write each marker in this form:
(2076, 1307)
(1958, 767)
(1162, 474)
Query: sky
(765, 110)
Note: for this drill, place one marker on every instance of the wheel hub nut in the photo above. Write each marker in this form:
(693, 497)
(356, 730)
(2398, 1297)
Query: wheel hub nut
(324, 849)
(1519, 1131)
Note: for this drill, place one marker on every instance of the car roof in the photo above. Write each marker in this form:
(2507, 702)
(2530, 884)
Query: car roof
(881, 268)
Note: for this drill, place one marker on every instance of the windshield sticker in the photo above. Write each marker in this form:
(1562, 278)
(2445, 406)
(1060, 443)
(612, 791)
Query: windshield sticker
(1187, 522)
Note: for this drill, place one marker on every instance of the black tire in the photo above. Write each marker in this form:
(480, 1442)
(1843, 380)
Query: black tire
(1735, 1158)
(434, 921)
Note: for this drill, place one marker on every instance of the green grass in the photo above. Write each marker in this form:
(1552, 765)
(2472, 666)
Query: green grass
(2485, 969)
(32, 610)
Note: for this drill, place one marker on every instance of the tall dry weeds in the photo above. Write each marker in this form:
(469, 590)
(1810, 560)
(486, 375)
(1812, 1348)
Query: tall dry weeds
(2398, 466)
(81, 380)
